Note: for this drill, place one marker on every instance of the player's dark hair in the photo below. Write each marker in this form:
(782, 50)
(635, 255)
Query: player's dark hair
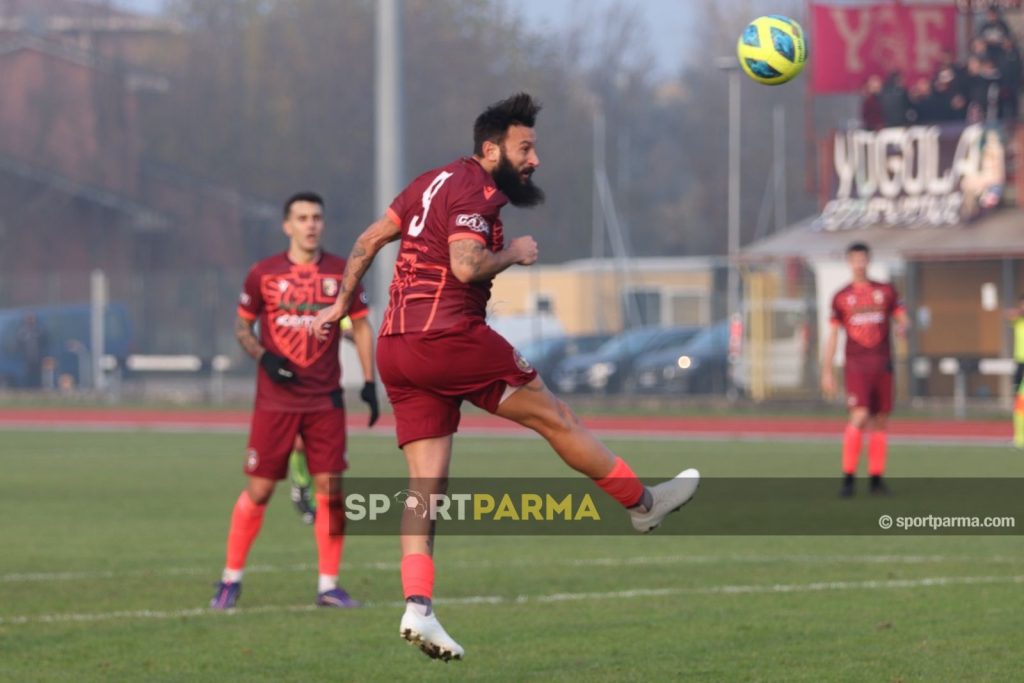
(858, 247)
(493, 124)
(311, 197)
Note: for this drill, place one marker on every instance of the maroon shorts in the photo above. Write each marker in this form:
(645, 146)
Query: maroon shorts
(272, 437)
(429, 374)
(869, 389)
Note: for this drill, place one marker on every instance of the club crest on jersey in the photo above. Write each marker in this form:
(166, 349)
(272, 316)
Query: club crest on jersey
(291, 301)
(877, 296)
(329, 286)
(474, 222)
(252, 459)
(521, 361)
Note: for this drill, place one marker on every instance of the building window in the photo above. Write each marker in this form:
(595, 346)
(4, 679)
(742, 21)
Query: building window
(646, 307)
(541, 303)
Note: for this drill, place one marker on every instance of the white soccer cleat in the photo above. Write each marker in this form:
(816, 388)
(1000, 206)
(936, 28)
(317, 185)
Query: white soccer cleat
(666, 497)
(428, 635)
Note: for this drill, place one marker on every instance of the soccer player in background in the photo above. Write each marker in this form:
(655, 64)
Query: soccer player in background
(298, 391)
(863, 309)
(435, 349)
(1015, 316)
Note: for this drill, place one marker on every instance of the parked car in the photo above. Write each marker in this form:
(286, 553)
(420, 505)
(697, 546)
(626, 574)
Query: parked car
(66, 331)
(545, 355)
(610, 367)
(699, 366)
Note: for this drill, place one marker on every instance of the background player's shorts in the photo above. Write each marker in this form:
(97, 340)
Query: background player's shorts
(429, 374)
(871, 390)
(272, 436)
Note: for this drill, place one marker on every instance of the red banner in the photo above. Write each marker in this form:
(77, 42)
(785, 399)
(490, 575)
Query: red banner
(850, 43)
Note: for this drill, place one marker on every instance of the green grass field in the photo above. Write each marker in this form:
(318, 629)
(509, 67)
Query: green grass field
(109, 544)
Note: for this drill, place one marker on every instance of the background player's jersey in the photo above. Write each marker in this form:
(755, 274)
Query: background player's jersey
(284, 296)
(455, 202)
(864, 311)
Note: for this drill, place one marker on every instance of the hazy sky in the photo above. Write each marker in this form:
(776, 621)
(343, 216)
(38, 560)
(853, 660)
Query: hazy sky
(666, 20)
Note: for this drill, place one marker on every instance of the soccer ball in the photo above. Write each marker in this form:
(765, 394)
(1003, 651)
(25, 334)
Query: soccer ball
(772, 49)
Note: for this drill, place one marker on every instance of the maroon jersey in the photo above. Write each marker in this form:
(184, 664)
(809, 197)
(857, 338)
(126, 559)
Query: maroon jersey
(864, 311)
(455, 202)
(284, 297)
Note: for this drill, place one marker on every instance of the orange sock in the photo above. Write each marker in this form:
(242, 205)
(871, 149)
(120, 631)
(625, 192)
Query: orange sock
(852, 439)
(877, 443)
(328, 545)
(621, 484)
(418, 575)
(246, 520)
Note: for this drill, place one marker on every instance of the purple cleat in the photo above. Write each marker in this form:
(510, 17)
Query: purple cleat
(336, 597)
(226, 595)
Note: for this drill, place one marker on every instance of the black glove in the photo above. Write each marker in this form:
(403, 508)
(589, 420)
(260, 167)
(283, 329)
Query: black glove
(369, 396)
(276, 367)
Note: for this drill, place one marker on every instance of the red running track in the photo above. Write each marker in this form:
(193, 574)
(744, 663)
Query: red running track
(658, 426)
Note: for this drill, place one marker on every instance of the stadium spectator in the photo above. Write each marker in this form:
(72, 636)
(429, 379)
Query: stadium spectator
(994, 30)
(1011, 73)
(894, 101)
(922, 105)
(871, 105)
(31, 342)
(948, 102)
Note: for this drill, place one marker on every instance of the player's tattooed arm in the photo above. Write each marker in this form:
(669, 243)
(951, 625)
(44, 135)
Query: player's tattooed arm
(373, 239)
(247, 339)
(363, 252)
(472, 261)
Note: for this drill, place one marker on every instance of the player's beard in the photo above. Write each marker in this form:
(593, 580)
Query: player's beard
(519, 191)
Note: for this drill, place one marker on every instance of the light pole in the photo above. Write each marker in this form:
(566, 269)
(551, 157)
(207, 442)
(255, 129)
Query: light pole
(389, 138)
(731, 65)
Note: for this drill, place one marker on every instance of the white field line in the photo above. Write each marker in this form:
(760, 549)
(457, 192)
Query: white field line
(893, 584)
(634, 561)
(185, 427)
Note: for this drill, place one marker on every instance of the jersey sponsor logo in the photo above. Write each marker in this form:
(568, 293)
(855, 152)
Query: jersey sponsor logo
(489, 191)
(474, 222)
(329, 286)
(866, 328)
(293, 321)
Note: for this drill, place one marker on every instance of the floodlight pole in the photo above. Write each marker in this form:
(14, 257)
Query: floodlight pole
(732, 296)
(389, 140)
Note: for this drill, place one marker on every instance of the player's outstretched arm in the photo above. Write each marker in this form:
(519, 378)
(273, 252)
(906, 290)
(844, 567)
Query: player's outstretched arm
(363, 252)
(472, 261)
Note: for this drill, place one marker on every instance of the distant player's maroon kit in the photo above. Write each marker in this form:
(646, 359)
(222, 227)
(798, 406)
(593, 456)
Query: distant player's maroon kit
(283, 296)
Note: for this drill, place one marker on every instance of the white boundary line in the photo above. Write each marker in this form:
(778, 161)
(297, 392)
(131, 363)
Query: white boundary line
(893, 584)
(511, 433)
(634, 561)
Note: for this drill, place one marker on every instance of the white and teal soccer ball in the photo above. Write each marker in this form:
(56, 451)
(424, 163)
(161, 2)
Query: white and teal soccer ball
(772, 49)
